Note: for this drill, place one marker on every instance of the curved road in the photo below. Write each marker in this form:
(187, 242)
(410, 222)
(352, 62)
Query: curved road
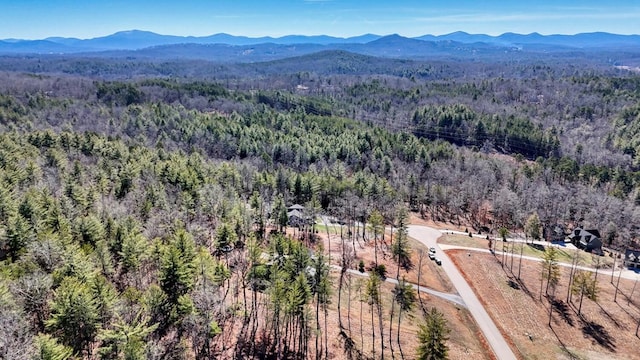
(428, 236)
(454, 298)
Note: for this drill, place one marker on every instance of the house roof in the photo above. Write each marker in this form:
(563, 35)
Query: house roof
(558, 229)
(295, 213)
(632, 255)
(580, 233)
(296, 207)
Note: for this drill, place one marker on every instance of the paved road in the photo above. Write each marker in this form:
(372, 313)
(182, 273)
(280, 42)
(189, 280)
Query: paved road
(454, 298)
(501, 349)
(623, 272)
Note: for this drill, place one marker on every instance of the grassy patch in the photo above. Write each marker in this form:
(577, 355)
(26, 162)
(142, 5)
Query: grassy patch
(533, 250)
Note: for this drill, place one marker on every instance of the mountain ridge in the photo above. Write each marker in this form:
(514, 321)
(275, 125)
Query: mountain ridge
(139, 39)
(222, 47)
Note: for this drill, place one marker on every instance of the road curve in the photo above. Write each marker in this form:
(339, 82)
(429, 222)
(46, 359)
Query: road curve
(428, 236)
(456, 299)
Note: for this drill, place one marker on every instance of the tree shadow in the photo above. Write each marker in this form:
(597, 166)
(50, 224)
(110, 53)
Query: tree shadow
(513, 284)
(599, 334)
(628, 299)
(525, 289)
(517, 284)
(538, 247)
(350, 350)
(406, 264)
(562, 309)
(631, 316)
(612, 318)
(563, 346)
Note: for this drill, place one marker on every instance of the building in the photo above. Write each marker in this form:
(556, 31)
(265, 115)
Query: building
(632, 258)
(588, 240)
(555, 232)
(296, 216)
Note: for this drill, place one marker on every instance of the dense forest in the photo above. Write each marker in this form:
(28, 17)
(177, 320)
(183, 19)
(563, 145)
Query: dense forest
(141, 216)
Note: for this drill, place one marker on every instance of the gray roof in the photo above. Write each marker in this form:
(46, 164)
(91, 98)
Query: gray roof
(295, 213)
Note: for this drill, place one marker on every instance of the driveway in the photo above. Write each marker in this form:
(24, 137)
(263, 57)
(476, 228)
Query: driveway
(428, 236)
(454, 298)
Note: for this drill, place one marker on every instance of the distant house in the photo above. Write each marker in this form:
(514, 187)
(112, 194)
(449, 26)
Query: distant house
(296, 207)
(555, 232)
(632, 258)
(588, 240)
(297, 216)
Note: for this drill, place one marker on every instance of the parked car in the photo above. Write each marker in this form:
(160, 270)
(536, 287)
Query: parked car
(432, 250)
(432, 256)
(438, 261)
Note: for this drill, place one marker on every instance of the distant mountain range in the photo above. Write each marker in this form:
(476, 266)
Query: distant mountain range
(225, 47)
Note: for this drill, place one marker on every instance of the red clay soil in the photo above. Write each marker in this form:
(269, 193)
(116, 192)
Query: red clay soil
(604, 330)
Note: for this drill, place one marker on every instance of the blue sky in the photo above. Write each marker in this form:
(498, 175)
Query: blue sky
(37, 19)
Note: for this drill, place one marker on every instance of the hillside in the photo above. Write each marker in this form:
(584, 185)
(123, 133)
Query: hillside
(156, 196)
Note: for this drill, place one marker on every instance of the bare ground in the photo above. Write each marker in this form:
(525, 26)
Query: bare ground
(466, 341)
(604, 330)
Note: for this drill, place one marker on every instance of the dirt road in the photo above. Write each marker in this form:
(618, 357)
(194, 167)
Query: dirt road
(501, 349)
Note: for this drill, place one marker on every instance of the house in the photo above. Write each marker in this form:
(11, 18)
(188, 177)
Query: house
(296, 207)
(296, 218)
(632, 258)
(588, 240)
(555, 232)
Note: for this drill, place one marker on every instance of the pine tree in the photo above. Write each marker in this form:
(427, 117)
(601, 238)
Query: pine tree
(432, 336)
(503, 232)
(532, 227)
(584, 284)
(18, 234)
(48, 348)
(550, 269)
(374, 300)
(126, 340)
(322, 290)
(405, 296)
(74, 315)
(225, 239)
(176, 274)
(376, 225)
(400, 249)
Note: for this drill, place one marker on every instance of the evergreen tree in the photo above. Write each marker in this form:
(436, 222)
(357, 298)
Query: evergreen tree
(432, 337)
(584, 284)
(405, 296)
(550, 269)
(75, 317)
(18, 234)
(376, 226)
(126, 340)
(279, 214)
(532, 227)
(401, 249)
(225, 239)
(48, 348)
(176, 274)
(374, 299)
